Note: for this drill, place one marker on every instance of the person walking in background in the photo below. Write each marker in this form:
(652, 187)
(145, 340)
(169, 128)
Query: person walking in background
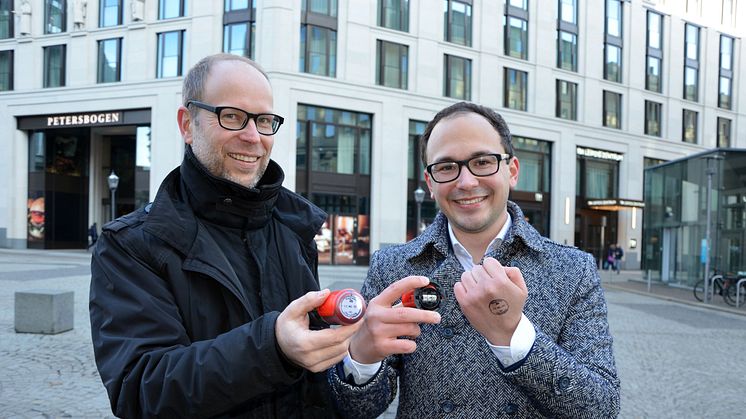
(608, 262)
(522, 328)
(199, 302)
(618, 255)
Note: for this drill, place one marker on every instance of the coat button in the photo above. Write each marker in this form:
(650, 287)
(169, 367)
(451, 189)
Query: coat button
(511, 408)
(447, 406)
(564, 383)
(227, 201)
(447, 332)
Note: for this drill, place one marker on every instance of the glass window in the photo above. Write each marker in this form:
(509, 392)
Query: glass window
(600, 178)
(110, 13)
(691, 76)
(567, 51)
(6, 19)
(339, 140)
(457, 22)
(6, 70)
(238, 38)
(568, 11)
(322, 7)
(109, 60)
(653, 75)
(457, 77)
(231, 5)
(394, 14)
(169, 9)
(170, 54)
(689, 131)
(516, 38)
(655, 32)
(414, 162)
(723, 132)
(725, 88)
(516, 83)
(614, 18)
(612, 110)
(55, 16)
(54, 66)
(318, 50)
(613, 63)
(567, 100)
(653, 118)
(692, 42)
(392, 68)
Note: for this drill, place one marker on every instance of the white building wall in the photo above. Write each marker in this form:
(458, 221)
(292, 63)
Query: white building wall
(354, 88)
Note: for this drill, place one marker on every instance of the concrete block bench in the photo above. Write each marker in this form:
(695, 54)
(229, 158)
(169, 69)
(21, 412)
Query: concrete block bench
(44, 311)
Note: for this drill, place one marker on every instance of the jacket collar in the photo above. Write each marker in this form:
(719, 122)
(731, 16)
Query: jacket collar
(435, 238)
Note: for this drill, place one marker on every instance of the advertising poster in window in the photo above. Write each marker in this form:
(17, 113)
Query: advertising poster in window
(345, 225)
(323, 241)
(35, 214)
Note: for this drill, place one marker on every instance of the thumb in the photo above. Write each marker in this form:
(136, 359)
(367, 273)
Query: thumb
(516, 277)
(312, 299)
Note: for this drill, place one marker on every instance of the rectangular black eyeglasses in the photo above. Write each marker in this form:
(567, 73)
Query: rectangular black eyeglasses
(480, 166)
(235, 119)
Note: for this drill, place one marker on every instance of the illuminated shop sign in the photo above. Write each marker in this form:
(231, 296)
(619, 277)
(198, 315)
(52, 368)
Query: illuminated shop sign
(599, 154)
(93, 118)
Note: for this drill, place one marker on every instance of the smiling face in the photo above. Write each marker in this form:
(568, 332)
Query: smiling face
(238, 156)
(474, 205)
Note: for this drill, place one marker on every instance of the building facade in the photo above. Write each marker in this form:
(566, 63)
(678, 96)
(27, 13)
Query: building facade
(593, 92)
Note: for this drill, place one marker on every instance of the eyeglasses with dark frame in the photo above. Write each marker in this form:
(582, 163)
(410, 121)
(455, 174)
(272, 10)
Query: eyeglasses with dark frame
(235, 119)
(480, 166)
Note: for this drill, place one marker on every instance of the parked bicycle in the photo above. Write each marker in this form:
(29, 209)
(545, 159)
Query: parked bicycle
(733, 291)
(722, 285)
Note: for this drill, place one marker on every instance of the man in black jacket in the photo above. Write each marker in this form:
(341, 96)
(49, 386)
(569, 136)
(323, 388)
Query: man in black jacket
(199, 301)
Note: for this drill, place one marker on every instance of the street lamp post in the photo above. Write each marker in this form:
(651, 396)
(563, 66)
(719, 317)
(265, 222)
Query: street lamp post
(113, 180)
(419, 197)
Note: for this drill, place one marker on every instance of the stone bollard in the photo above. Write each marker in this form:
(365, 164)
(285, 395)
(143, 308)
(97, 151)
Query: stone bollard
(44, 311)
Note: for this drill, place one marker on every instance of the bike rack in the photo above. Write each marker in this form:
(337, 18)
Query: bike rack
(738, 289)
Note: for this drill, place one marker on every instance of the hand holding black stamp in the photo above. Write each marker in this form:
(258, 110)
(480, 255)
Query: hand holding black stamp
(492, 297)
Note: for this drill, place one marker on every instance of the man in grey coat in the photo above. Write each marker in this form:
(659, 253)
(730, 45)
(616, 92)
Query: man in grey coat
(522, 329)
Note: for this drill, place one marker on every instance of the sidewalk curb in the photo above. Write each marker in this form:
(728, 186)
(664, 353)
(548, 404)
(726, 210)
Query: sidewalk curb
(676, 300)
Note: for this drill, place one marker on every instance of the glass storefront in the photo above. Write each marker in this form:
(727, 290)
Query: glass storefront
(675, 223)
(333, 171)
(532, 193)
(416, 179)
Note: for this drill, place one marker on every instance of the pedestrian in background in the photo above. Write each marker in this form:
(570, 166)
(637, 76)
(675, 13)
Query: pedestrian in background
(618, 255)
(199, 301)
(608, 262)
(522, 329)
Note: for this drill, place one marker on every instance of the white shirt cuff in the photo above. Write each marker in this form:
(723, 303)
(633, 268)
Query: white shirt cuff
(361, 373)
(520, 344)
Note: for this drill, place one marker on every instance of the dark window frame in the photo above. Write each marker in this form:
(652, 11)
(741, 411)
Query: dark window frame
(724, 138)
(613, 41)
(160, 37)
(447, 85)
(102, 13)
(245, 16)
(684, 127)
(570, 28)
(605, 120)
(653, 53)
(162, 9)
(403, 14)
(63, 66)
(521, 14)
(574, 100)
(726, 73)
(403, 52)
(100, 73)
(659, 122)
(48, 15)
(7, 10)
(448, 22)
(691, 63)
(11, 68)
(522, 93)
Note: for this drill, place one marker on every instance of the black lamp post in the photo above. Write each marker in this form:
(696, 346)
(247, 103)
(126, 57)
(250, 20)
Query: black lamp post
(419, 196)
(113, 183)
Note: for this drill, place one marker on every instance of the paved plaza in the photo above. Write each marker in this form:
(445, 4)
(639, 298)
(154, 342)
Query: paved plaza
(675, 359)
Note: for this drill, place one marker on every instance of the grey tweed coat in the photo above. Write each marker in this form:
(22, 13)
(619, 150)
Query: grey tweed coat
(568, 373)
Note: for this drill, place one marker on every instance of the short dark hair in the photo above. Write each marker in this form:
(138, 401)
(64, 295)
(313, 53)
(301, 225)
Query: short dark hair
(493, 117)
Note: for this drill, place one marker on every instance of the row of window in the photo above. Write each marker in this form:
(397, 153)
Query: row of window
(110, 13)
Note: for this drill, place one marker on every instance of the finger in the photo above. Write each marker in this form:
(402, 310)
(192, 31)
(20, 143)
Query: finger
(396, 315)
(481, 276)
(460, 292)
(516, 277)
(468, 281)
(394, 291)
(493, 267)
(302, 305)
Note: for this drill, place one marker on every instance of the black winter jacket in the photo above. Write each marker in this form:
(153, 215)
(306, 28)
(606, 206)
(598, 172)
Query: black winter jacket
(174, 332)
